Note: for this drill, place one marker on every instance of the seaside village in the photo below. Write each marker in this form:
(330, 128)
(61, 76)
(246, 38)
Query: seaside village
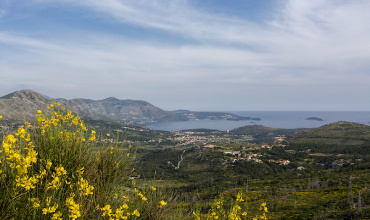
(213, 140)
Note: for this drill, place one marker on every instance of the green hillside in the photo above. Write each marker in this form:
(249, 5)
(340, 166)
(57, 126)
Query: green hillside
(339, 137)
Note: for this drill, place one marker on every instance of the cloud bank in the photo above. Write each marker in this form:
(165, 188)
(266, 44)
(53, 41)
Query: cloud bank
(303, 55)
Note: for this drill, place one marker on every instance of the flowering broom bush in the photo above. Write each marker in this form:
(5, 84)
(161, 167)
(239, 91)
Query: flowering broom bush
(54, 170)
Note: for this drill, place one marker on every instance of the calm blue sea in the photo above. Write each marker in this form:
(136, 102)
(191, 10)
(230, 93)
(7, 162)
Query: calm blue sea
(274, 119)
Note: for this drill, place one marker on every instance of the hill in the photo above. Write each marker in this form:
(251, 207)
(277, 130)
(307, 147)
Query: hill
(263, 131)
(337, 137)
(339, 131)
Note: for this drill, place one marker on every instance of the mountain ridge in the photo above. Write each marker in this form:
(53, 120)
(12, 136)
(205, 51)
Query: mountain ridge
(23, 105)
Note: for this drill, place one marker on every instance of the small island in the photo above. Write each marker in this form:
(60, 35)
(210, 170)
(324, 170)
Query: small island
(314, 119)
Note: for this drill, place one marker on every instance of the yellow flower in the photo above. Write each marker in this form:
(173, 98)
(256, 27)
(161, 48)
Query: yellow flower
(48, 164)
(135, 212)
(84, 187)
(57, 216)
(92, 137)
(35, 202)
(124, 206)
(162, 203)
(106, 210)
(154, 189)
(52, 209)
(81, 171)
(1, 116)
(239, 197)
(55, 183)
(60, 171)
(74, 208)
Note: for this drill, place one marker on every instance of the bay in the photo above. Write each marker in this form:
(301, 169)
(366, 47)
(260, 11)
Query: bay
(274, 119)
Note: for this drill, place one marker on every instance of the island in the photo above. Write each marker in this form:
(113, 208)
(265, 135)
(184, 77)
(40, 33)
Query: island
(314, 119)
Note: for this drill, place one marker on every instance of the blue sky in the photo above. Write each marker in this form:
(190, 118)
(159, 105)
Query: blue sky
(191, 54)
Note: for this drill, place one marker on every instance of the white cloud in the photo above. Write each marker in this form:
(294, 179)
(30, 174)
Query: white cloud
(306, 43)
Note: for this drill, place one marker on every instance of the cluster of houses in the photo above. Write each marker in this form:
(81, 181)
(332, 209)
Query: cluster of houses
(187, 138)
(243, 156)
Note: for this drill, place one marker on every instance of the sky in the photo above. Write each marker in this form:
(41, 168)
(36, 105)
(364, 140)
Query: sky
(201, 55)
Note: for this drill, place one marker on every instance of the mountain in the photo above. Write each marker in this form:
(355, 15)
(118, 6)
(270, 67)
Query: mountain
(115, 109)
(23, 105)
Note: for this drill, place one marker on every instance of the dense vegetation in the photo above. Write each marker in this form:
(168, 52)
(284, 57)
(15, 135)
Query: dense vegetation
(327, 176)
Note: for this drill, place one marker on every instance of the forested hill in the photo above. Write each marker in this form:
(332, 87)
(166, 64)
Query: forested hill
(339, 137)
(263, 131)
(341, 130)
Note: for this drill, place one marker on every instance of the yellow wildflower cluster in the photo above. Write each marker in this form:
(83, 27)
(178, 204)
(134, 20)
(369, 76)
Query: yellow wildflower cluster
(217, 210)
(35, 202)
(121, 212)
(84, 187)
(58, 121)
(142, 196)
(74, 209)
(20, 155)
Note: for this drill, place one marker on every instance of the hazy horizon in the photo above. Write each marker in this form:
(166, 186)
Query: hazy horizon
(239, 55)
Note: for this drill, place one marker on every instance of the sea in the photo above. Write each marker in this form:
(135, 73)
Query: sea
(273, 119)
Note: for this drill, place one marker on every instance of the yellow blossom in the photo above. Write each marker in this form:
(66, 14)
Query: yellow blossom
(48, 164)
(57, 216)
(106, 210)
(55, 183)
(135, 212)
(84, 187)
(35, 202)
(81, 171)
(74, 209)
(60, 171)
(162, 203)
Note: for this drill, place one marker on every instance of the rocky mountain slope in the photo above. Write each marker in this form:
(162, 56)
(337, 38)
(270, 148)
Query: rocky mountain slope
(23, 105)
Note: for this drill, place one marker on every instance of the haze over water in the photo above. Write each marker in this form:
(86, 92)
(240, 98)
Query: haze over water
(274, 119)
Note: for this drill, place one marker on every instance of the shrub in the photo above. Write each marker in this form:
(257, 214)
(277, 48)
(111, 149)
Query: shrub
(56, 170)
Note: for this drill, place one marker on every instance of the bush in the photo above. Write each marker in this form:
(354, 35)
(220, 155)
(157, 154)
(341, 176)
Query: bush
(56, 170)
